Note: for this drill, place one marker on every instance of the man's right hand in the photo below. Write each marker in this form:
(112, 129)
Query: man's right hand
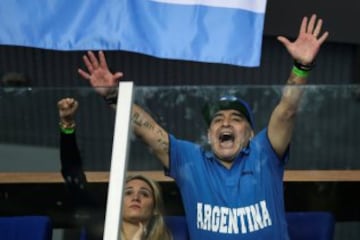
(99, 75)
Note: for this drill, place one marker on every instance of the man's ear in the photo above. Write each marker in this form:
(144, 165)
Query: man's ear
(252, 134)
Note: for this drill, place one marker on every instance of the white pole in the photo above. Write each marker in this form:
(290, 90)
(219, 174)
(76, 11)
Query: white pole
(118, 161)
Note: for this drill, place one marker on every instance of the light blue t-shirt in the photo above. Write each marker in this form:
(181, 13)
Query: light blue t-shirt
(244, 202)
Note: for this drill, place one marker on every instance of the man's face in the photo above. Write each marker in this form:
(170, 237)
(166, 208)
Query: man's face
(228, 133)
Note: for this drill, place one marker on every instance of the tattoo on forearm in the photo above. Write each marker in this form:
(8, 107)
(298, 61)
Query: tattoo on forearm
(295, 80)
(148, 125)
(147, 128)
(137, 120)
(291, 81)
(163, 144)
(160, 132)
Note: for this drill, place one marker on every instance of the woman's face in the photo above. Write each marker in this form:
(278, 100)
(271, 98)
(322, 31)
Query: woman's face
(138, 201)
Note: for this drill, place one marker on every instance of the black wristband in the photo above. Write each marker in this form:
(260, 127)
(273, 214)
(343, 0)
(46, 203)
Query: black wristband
(304, 67)
(110, 100)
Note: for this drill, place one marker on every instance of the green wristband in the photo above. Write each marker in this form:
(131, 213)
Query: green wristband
(67, 130)
(300, 73)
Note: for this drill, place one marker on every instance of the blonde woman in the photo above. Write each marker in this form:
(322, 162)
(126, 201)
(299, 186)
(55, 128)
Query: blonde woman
(142, 217)
(143, 210)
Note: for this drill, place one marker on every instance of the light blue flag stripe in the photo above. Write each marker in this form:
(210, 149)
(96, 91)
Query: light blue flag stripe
(212, 34)
(195, 32)
(61, 24)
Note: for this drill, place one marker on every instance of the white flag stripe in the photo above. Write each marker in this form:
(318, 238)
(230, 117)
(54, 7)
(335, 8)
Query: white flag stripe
(250, 5)
(187, 30)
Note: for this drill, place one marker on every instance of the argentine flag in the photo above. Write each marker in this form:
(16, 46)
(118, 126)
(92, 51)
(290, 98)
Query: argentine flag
(215, 31)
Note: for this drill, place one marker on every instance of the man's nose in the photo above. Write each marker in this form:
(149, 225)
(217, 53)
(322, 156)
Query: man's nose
(226, 122)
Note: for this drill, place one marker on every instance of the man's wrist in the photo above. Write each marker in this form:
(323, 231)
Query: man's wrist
(304, 67)
(299, 73)
(302, 70)
(111, 97)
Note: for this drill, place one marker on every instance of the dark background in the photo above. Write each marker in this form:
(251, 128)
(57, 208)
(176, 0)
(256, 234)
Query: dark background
(340, 18)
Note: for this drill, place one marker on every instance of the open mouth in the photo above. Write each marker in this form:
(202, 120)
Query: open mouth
(226, 137)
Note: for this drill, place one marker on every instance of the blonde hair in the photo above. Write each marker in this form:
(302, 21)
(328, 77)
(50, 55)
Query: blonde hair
(156, 229)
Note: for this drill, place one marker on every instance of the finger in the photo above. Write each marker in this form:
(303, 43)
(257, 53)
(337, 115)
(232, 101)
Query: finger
(139, 233)
(88, 63)
(303, 25)
(75, 105)
(283, 40)
(63, 103)
(323, 37)
(118, 76)
(102, 59)
(62, 100)
(93, 59)
(59, 103)
(318, 28)
(70, 101)
(83, 74)
(311, 24)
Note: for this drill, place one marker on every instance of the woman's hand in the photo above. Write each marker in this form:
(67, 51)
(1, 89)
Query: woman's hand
(67, 109)
(139, 233)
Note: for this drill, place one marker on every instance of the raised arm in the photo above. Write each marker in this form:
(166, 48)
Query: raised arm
(145, 127)
(73, 173)
(303, 50)
(71, 162)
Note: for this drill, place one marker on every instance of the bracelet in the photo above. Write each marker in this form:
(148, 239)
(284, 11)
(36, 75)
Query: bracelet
(67, 128)
(110, 100)
(304, 67)
(299, 72)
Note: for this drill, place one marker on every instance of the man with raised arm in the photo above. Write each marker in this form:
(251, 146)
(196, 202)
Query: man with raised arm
(234, 191)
